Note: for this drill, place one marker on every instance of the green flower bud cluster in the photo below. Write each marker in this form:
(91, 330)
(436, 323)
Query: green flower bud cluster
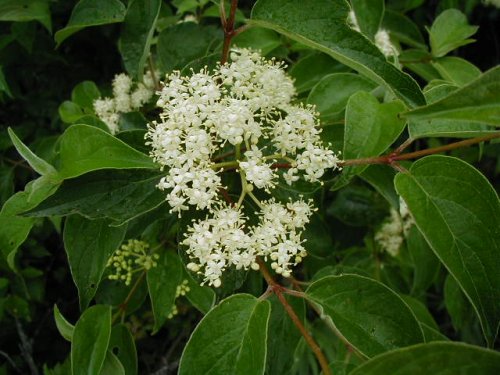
(181, 290)
(130, 258)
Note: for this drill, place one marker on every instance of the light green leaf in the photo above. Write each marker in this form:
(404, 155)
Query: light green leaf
(112, 365)
(369, 14)
(89, 244)
(38, 164)
(84, 95)
(258, 38)
(162, 284)
(476, 102)
(322, 25)
(456, 70)
(230, 339)
(458, 213)
(118, 195)
(65, 328)
(371, 317)
(85, 148)
(330, 95)
(449, 31)
(89, 13)
(90, 340)
(26, 10)
(122, 343)
(70, 112)
(138, 29)
(437, 358)
(370, 129)
(15, 229)
(182, 43)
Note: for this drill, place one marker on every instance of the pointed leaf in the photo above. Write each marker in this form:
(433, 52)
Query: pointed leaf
(90, 340)
(122, 344)
(230, 339)
(64, 327)
(458, 213)
(371, 317)
(369, 14)
(89, 244)
(26, 10)
(322, 25)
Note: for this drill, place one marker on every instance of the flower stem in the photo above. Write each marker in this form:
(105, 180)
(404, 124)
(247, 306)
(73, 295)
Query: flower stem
(228, 25)
(123, 306)
(279, 290)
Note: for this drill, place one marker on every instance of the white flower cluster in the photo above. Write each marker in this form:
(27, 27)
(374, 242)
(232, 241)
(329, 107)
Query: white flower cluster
(244, 106)
(127, 97)
(382, 38)
(392, 233)
(220, 241)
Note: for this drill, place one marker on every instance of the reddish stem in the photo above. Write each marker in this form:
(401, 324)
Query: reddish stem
(229, 32)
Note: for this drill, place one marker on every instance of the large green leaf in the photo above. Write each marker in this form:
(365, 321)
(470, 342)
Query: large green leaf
(372, 317)
(477, 102)
(321, 24)
(437, 358)
(370, 128)
(119, 195)
(456, 70)
(449, 31)
(89, 244)
(15, 229)
(369, 14)
(85, 148)
(26, 10)
(137, 32)
(230, 339)
(91, 13)
(201, 297)
(122, 343)
(331, 93)
(458, 213)
(90, 340)
(162, 284)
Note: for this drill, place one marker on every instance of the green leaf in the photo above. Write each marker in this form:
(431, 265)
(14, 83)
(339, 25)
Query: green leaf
(65, 328)
(458, 306)
(456, 70)
(449, 31)
(283, 336)
(26, 10)
(118, 195)
(162, 284)
(15, 229)
(371, 317)
(85, 148)
(70, 112)
(90, 340)
(438, 358)
(4, 86)
(6, 183)
(89, 13)
(420, 310)
(84, 95)
(258, 38)
(404, 29)
(381, 177)
(417, 61)
(112, 365)
(122, 344)
(330, 95)
(369, 15)
(476, 102)
(201, 297)
(182, 43)
(89, 244)
(309, 70)
(370, 128)
(230, 339)
(458, 213)
(322, 25)
(138, 29)
(38, 164)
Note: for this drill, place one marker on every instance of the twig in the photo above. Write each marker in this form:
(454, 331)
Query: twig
(229, 32)
(123, 306)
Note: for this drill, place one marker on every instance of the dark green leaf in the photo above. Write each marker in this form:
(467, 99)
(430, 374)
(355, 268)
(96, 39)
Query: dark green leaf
(449, 31)
(369, 15)
(403, 28)
(372, 317)
(112, 365)
(84, 95)
(65, 328)
(138, 29)
(4, 86)
(439, 358)
(458, 213)
(322, 25)
(91, 13)
(90, 340)
(230, 339)
(89, 244)
(201, 297)
(331, 94)
(119, 195)
(162, 284)
(381, 177)
(85, 148)
(6, 183)
(121, 343)
(26, 10)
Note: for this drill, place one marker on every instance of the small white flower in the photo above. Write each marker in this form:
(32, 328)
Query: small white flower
(384, 44)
